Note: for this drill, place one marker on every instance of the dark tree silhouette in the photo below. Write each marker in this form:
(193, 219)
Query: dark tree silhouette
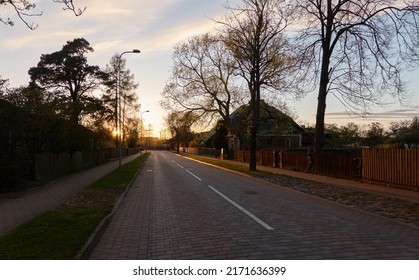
(67, 75)
(355, 50)
(180, 125)
(254, 34)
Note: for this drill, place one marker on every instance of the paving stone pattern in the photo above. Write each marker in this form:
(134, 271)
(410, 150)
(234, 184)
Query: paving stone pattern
(166, 215)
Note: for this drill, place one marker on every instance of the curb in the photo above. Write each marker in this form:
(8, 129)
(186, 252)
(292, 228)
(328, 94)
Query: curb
(93, 239)
(219, 167)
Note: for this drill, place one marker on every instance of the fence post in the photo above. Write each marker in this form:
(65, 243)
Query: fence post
(280, 160)
(275, 163)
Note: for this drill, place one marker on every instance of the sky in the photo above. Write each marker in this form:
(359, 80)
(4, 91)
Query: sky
(154, 27)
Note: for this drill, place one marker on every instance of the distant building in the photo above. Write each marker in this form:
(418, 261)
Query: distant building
(276, 129)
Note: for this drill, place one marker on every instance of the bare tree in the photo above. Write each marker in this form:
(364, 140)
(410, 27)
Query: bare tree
(23, 9)
(202, 79)
(254, 34)
(355, 50)
(128, 95)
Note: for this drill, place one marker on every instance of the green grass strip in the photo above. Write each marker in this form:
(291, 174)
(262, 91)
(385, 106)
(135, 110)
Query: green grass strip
(60, 233)
(229, 165)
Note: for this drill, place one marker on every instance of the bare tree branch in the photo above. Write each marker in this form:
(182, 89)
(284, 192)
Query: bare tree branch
(202, 79)
(356, 49)
(23, 9)
(254, 33)
(69, 5)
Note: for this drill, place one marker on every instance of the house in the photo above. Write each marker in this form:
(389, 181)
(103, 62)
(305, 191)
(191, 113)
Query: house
(276, 129)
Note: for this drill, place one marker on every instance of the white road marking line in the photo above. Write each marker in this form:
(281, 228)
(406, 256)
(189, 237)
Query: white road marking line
(193, 175)
(178, 164)
(251, 215)
(187, 170)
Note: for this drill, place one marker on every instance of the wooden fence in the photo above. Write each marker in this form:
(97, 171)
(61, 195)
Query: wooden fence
(293, 160)
(209, 152)
(391, 166)
(266, 158)
(398, 167)
(341, 164)
(50, 165)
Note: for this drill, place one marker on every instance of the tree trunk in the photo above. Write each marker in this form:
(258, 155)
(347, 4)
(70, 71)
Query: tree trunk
(321, 105)
(252, 162)
(324, 82)
(321, 110)
(255, 106)
(75, 108)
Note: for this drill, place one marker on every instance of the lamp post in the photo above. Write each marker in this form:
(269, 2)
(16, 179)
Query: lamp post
(141, 136)
(149, 135)
(118, 104)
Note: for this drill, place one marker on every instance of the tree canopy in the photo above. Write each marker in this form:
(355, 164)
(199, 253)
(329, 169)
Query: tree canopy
(255, 35)
(127, 95)
(354, 49)
(67, 75)
(203, 79)
(406, 133)
(180, 125)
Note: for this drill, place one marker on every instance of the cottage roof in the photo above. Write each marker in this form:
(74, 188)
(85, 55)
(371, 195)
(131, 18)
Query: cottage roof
(272, 120)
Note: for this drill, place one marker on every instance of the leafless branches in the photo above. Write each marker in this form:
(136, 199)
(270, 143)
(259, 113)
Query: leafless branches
(354, 49)
(202, 79)
(368, 44)
(24, 10)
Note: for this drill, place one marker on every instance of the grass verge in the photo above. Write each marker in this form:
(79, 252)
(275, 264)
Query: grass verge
(231, 166)
(60, 233)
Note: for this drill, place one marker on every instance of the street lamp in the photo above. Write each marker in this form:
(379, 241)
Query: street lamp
(141, 136)
(118, 104)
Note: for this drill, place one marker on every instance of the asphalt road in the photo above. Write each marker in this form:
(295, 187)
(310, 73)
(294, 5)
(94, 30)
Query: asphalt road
(181, 209)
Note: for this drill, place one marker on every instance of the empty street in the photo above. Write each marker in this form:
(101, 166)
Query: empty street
(178, 208)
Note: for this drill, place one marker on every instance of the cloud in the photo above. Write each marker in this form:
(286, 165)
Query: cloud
(165, 41)
(408, 112)
(128, 12)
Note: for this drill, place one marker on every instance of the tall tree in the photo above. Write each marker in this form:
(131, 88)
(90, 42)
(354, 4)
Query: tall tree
(254, 34)
(355, 50)
(126, 91)
(23, 9)
(68, 76)
(202, 79)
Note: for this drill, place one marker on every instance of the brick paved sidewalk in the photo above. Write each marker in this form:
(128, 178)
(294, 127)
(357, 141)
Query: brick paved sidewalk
(356, 185)
(17, 209)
